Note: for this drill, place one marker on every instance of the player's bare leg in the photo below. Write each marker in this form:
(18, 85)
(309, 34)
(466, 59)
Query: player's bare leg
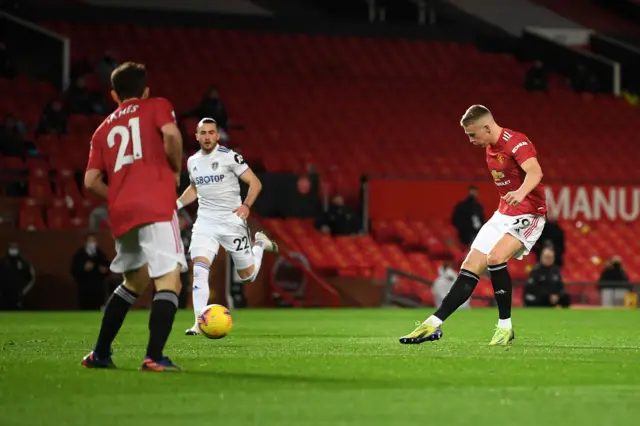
(472, 267)
(163, 313)
(200, 294)
(497, 259)
(135, 282)
(262, 243)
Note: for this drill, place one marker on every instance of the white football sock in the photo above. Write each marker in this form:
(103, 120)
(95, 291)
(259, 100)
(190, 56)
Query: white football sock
(200, 293)
(433, 321)
(505, 323)
(258, 251)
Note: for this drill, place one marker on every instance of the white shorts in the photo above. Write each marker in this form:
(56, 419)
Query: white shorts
(207, 237)
(526, 228)
(158, 245)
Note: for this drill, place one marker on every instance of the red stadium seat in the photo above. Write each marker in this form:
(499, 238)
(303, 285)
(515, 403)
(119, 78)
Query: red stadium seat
(58, 216)
(30, 215)
(40, 187)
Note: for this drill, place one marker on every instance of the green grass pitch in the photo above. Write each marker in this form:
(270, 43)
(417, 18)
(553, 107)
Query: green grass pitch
(328, 367)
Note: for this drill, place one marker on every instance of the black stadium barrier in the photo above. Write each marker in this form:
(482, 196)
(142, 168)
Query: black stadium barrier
(626, 55)
(565, 59)
(38, 53)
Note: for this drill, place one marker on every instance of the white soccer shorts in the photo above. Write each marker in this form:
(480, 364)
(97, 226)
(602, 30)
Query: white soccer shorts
(526, 228)
(207, 237)
(158, 245)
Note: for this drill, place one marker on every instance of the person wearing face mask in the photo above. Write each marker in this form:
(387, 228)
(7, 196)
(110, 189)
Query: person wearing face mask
(90, 268)
(18, 277)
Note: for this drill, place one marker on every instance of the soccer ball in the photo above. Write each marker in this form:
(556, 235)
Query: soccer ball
(215, 321)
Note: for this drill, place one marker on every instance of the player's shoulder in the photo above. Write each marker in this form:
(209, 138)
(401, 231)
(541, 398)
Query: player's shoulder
(194, 157)
(515, 140)
(224, 150)
(159, 102)
(228, 154)
(102, 127)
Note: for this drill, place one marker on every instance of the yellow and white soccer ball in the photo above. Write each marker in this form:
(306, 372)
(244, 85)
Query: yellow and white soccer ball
(215, 321)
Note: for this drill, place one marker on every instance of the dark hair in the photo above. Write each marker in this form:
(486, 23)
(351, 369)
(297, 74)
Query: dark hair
(129, 80)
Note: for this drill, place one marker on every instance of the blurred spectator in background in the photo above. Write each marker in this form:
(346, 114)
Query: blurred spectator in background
(441, 286)
(338, 219)
(211, 106)
(583, 80)
(552, 236)
(17, 277)
(7, 68)
(82, 101)
(97, 215)
(90, 267)
(544, 287)
(614, 283)
(105, 67)
(11, 142)
(53, 119)
(468, 217)
(536, 78)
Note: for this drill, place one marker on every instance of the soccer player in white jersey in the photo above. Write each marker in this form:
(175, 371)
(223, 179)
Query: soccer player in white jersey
(214, 172)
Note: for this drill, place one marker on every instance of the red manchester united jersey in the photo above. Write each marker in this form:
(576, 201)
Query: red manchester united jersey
(504, 160)
(128, 147)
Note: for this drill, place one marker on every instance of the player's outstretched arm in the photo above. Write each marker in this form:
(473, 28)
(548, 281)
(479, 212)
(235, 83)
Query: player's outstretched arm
(94, 182)
(188, 196)
(532, 178)
(173, 145)
(255, 186)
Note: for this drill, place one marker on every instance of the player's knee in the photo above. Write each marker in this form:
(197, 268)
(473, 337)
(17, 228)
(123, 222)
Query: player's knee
(248, 275)
(170, 281)
(136, 280)
(475, 262)
(495, 257)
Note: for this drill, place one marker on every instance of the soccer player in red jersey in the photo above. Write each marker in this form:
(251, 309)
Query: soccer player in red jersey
(138, 148)
(510, 233)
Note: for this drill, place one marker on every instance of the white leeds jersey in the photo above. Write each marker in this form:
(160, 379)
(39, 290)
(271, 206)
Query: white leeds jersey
(215, 176)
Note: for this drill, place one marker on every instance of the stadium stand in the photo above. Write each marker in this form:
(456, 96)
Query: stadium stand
(379, 106)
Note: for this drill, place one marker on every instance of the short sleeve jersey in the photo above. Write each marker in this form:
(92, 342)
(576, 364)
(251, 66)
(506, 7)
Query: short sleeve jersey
(215, 176)
(504, 161)
(128, 148)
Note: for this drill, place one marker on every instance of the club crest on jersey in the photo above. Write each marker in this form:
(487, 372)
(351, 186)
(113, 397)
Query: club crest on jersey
(214, 166)
(497, 175)
(500, 158)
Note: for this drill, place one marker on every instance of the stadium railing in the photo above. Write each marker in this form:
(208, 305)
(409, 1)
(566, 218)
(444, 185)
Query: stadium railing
(38, 53)
(392, 299)
(312, 291)
(627, 55)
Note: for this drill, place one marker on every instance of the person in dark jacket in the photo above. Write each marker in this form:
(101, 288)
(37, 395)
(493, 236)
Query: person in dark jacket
(212, 106)
(552, 236)
(614, 283)
(468, 217)
(536, 78)
(544, 287)
(17, 277)
(339, 219)
(90, 268)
